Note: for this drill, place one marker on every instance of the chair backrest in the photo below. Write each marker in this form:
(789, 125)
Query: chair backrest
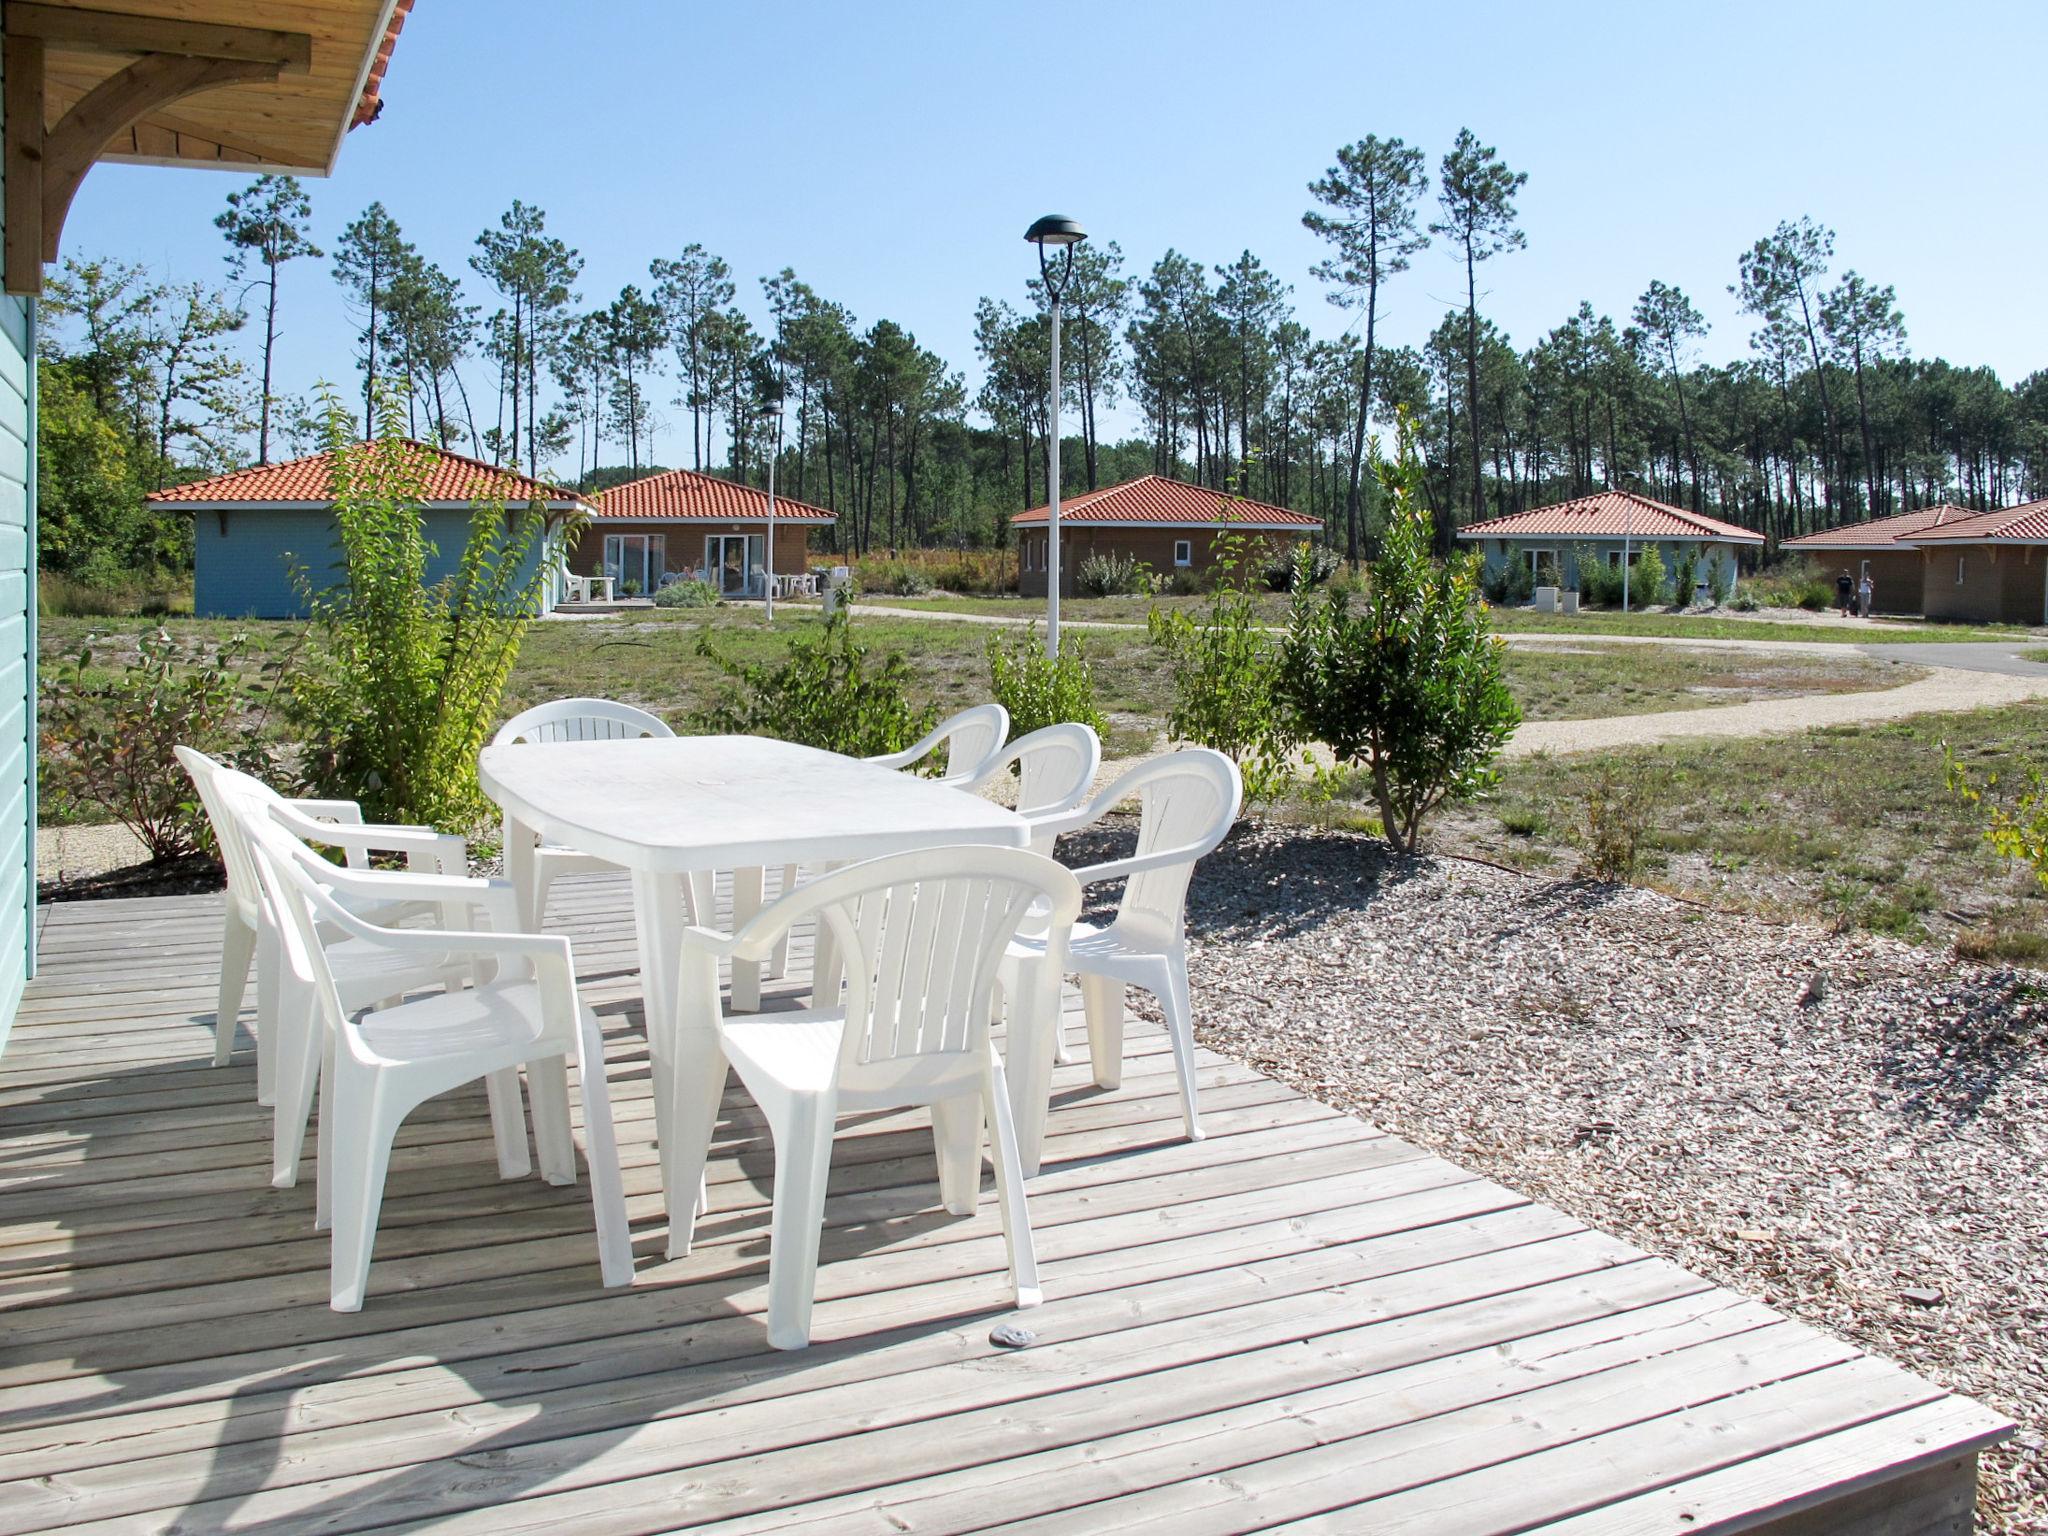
(920, 936)
(1056, 767)
(1187, 801)
(299, 904)
(245, 889)
(972, 737)
(580, 720)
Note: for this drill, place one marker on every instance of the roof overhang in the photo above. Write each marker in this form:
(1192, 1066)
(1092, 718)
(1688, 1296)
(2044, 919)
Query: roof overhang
(328, 506)
(245, 85)
(1696, 536)
(1232, 526)
(708, 519)
(1970, 538)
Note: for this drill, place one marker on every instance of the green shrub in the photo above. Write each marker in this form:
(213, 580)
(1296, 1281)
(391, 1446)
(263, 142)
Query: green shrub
(687, 594)
(1646, 579)
(1599, 582)
(1618, 808)
(404, 680)
(1510, 583)
(1410, 686)
(1110, 573)
(107, 742)
(1722, 585)
(1039, 690)
(62, 596)
(1685, 576)
(1307, 564)
(1226, 672)
(891, 578)
(822, 693)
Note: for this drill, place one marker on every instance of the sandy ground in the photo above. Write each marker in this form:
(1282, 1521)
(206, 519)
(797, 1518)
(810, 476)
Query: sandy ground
(71, 853)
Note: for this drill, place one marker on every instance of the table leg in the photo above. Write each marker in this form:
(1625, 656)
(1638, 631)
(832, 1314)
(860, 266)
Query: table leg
(522, 866)
(658, 919)
(746, 974)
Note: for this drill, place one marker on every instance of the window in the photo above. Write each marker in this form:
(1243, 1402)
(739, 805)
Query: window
(1614, 558)
(1183, 552)
(1536, 559)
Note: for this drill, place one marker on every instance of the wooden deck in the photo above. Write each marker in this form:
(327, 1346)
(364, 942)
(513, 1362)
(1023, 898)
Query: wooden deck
(1298, 1322)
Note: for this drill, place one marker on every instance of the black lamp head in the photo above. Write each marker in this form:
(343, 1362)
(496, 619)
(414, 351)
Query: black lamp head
(1055, 229)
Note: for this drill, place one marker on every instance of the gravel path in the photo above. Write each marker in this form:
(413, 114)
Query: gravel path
(1850, 1128)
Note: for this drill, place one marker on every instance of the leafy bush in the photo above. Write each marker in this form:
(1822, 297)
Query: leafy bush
(1685, 576)
(61, 596)
(1110, 573)
(1307, 564)
(891, 578)
(1410, 686)
(404, 679)
(1646, 579)
(107, 742)
(1722, 584)
(1745, 599)
(2015, 819)
(687, 594)
(1226, 673)
(1793, 583)
(1548, 575)
(1618, 808)
(1599, 582)
(822, 693)
(1509, 583)
(1039, 690)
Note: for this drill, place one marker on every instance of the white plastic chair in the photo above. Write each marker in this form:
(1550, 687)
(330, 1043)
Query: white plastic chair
(572, 720)
(922, 934)
(970, 738)
(383, 1065)
(1056, 767)
(1187, 803)
(245, 935)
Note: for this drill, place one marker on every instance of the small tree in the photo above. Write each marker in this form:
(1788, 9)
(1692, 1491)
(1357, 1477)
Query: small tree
(823, 693)
(405, 679)
(1038, 690)
(1410, 686)
(1646, 579)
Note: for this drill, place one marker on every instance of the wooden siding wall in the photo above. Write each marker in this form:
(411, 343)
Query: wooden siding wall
(684, 546)
(2001, 583)
(17, 653)
(1151, 546)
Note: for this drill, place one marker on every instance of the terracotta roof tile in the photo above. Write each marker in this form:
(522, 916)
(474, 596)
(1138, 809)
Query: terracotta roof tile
(1882, 532)
(684, 496)
(1156, 501)
(371, 102)
(1608, 514)
(451, 477)
(2025, 524)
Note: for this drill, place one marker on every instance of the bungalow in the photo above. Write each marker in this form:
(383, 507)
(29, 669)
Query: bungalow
(1610, 526)
(1886, 549)
(683, 522)
(1165, 524)
(253, 526)
(1987, 567)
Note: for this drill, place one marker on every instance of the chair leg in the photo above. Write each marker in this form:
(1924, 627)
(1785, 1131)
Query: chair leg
(601, 1153)
(803, 1163)
(778, 959)
(298, 1075)
(237, 949)
(1180, 1030)
(1010, 1188)
(956, 1134)
(1102, 999)
(547, 1083)
(508, 1123)
(323, 1157)
(366, 1124)
(698, 1086)
(1029, 1061)
(269, 980)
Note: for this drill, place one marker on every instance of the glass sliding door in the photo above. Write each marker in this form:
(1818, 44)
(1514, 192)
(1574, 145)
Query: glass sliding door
(635, 562)
(734, 561)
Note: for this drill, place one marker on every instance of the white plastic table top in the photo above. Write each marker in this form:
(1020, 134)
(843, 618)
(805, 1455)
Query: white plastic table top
(693, 803)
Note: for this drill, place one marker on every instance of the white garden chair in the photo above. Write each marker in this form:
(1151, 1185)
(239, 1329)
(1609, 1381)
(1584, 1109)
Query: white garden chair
(245, 935)
(382, 1066)
(1187, 803)
(572, 720)
(1056, 767)
(970, 738)
(922, 935)
(365, 974)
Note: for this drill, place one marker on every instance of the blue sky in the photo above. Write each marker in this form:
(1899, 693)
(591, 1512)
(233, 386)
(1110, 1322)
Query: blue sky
(892, 153)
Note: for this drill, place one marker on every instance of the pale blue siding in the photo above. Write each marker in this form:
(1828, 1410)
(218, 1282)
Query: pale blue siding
(17, 653)
(1713, 560)
(243, 559)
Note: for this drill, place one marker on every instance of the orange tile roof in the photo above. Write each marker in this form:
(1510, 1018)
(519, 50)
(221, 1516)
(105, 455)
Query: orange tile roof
(1609, 515)
(371, 102)
(451, 478)
(684, 496)
(2025, 524)
(1156, 501)
(1882, 532)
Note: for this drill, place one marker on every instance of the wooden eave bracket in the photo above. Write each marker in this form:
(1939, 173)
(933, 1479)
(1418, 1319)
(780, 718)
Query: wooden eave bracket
(44, 166)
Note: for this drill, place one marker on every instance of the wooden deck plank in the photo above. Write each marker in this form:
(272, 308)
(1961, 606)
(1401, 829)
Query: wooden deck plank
(1291, 1317)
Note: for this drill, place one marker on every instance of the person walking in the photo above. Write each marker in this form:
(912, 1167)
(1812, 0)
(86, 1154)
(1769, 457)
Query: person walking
(1865, 591)
(1845, 591)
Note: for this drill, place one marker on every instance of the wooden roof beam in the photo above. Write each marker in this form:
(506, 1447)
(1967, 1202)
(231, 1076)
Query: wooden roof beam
(88, 31)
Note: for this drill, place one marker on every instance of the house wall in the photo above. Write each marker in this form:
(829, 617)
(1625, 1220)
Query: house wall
(1712, 558)
(17, 652)
(242, 562)
(2001, 583)
(685, 547)
(1152, 546)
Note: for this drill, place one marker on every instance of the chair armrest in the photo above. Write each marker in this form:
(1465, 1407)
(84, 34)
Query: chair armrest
(916, 752)
(1118, 869)
(345, 812)
(445, 851)
(710, 941)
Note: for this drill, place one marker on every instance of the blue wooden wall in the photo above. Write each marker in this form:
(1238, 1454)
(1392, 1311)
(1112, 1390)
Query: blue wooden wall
(17, 653)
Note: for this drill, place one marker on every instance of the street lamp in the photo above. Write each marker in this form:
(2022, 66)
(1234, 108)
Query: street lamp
(1054, 230)
(768, 552)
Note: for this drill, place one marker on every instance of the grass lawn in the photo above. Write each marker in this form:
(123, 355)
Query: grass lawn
(1849, 822)
(1591, 624)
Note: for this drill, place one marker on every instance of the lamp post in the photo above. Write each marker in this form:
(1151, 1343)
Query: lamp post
(1065, 234)
(768, 551)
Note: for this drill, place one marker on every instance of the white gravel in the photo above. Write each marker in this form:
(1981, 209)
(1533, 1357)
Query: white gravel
(1848, 1127)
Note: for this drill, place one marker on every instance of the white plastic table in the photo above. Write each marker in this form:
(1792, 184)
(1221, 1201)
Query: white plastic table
(677, 810)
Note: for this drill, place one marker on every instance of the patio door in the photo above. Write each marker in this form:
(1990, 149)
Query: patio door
(638, 558)
(730, 560)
